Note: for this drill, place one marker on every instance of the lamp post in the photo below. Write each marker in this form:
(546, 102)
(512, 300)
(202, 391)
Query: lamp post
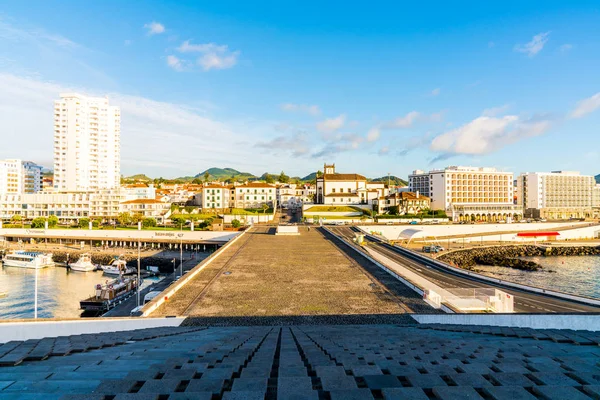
(181, 252)
(35, 302)
(138, 263)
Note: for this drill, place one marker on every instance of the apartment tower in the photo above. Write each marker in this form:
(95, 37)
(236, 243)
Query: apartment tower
(87, 146)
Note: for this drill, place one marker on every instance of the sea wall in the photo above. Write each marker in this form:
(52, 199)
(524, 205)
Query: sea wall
(510, 256)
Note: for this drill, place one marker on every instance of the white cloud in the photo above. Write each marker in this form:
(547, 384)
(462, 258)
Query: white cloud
(404, 122)
(154, 28)
(484, 134)
(332, 124)
(212, 56)
(373, 134)
(296, 144)
(435, 92)
(165, 129)
(534, 46)
(566, 47)
(586, 106)
(174, 62)
(495, 111)
(35, 36)
(313, 110)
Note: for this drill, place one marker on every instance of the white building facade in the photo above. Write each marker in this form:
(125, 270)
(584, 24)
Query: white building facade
(469, 193)
(17, 177)
(346, 189)
(556, 195)
(87, 144)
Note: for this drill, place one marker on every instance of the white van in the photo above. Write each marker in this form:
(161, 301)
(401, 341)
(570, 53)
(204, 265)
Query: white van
(150, 296)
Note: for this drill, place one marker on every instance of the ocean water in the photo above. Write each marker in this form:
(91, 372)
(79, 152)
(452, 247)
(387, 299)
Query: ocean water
(59, 291)
(578, 275)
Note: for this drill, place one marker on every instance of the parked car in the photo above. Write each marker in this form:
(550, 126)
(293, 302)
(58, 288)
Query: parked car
(413, 222)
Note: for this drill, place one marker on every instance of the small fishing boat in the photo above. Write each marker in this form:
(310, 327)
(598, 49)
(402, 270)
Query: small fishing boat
(84, 264)
(109, 294)
(117, 267)
(27, 259)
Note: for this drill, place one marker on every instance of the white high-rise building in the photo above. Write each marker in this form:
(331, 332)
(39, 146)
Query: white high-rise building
(87, 143)
(556, 195)
(468, 193)
(18, 177)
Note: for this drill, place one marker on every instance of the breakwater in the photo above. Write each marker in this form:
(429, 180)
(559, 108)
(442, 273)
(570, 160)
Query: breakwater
(512, 256)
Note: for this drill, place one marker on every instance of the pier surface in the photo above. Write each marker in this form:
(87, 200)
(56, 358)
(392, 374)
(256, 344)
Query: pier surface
(267, 275)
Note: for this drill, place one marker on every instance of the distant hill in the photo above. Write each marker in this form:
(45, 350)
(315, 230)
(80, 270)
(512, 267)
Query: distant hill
(394, 180)
(225, 173)
(138, 177)
(309, 177)
(597, 178)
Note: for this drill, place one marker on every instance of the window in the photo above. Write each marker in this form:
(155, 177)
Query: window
(332, 190)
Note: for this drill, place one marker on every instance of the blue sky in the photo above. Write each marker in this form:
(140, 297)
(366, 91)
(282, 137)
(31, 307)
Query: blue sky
(262, 86)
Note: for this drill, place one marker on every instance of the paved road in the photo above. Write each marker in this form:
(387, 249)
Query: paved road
(525, 302)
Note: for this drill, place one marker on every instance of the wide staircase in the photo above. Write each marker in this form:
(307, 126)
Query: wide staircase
(306, 362)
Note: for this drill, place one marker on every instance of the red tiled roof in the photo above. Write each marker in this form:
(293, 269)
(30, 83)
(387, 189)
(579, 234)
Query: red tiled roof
(344, 177)
(142, 201)
(341, 195)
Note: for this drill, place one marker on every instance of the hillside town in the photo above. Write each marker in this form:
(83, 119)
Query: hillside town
(85, 186)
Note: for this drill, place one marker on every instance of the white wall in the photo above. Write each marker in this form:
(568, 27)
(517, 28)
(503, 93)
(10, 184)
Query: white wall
(31, 329)
(84, 234)
(535, 321)
(392, 232)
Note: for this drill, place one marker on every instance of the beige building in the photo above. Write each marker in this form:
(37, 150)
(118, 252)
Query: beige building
(467, 193)
(346, 189)
(407, 203)
(17, 177)
(292, 195)
(556, 195)
(149, 208)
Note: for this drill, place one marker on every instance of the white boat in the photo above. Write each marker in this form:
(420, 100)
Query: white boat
(84, 264)
(117, 267)
(28, 259)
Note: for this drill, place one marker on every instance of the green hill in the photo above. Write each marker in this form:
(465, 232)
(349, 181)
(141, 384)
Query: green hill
(309, 177)
(138, 177)
(394, 180)
(224, 173)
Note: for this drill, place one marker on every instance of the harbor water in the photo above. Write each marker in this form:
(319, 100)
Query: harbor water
(578, 275)
(59, 291)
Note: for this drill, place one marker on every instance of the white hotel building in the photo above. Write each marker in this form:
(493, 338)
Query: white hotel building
(87, 148)
(556, 195)
(469, 193)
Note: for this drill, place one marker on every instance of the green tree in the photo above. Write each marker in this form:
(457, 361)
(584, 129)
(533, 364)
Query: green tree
(393, 210)
(96, 222)
(52, 221)
(265, 207)
(124, 219)
(39, 222)
(178, 220)
(206, 176)
(15, 219)
(197, 181)
(148, 222)
(235, 223)
(269, 178)
(83, 222)
(137, 217)
(283, 178)
(189, 209)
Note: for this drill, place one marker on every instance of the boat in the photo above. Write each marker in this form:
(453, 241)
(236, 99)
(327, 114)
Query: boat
(117, 267)
(27, 259)
(84, 264)
(109, 294)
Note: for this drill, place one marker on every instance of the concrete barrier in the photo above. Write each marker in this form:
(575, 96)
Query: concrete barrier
(508, 284)
(175, 286)
(588, 322)
(31, 329)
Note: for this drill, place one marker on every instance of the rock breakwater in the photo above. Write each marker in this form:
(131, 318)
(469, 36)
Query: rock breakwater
(511, 256)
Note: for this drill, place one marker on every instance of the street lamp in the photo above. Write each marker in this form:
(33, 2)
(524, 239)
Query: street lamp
(138, 263)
